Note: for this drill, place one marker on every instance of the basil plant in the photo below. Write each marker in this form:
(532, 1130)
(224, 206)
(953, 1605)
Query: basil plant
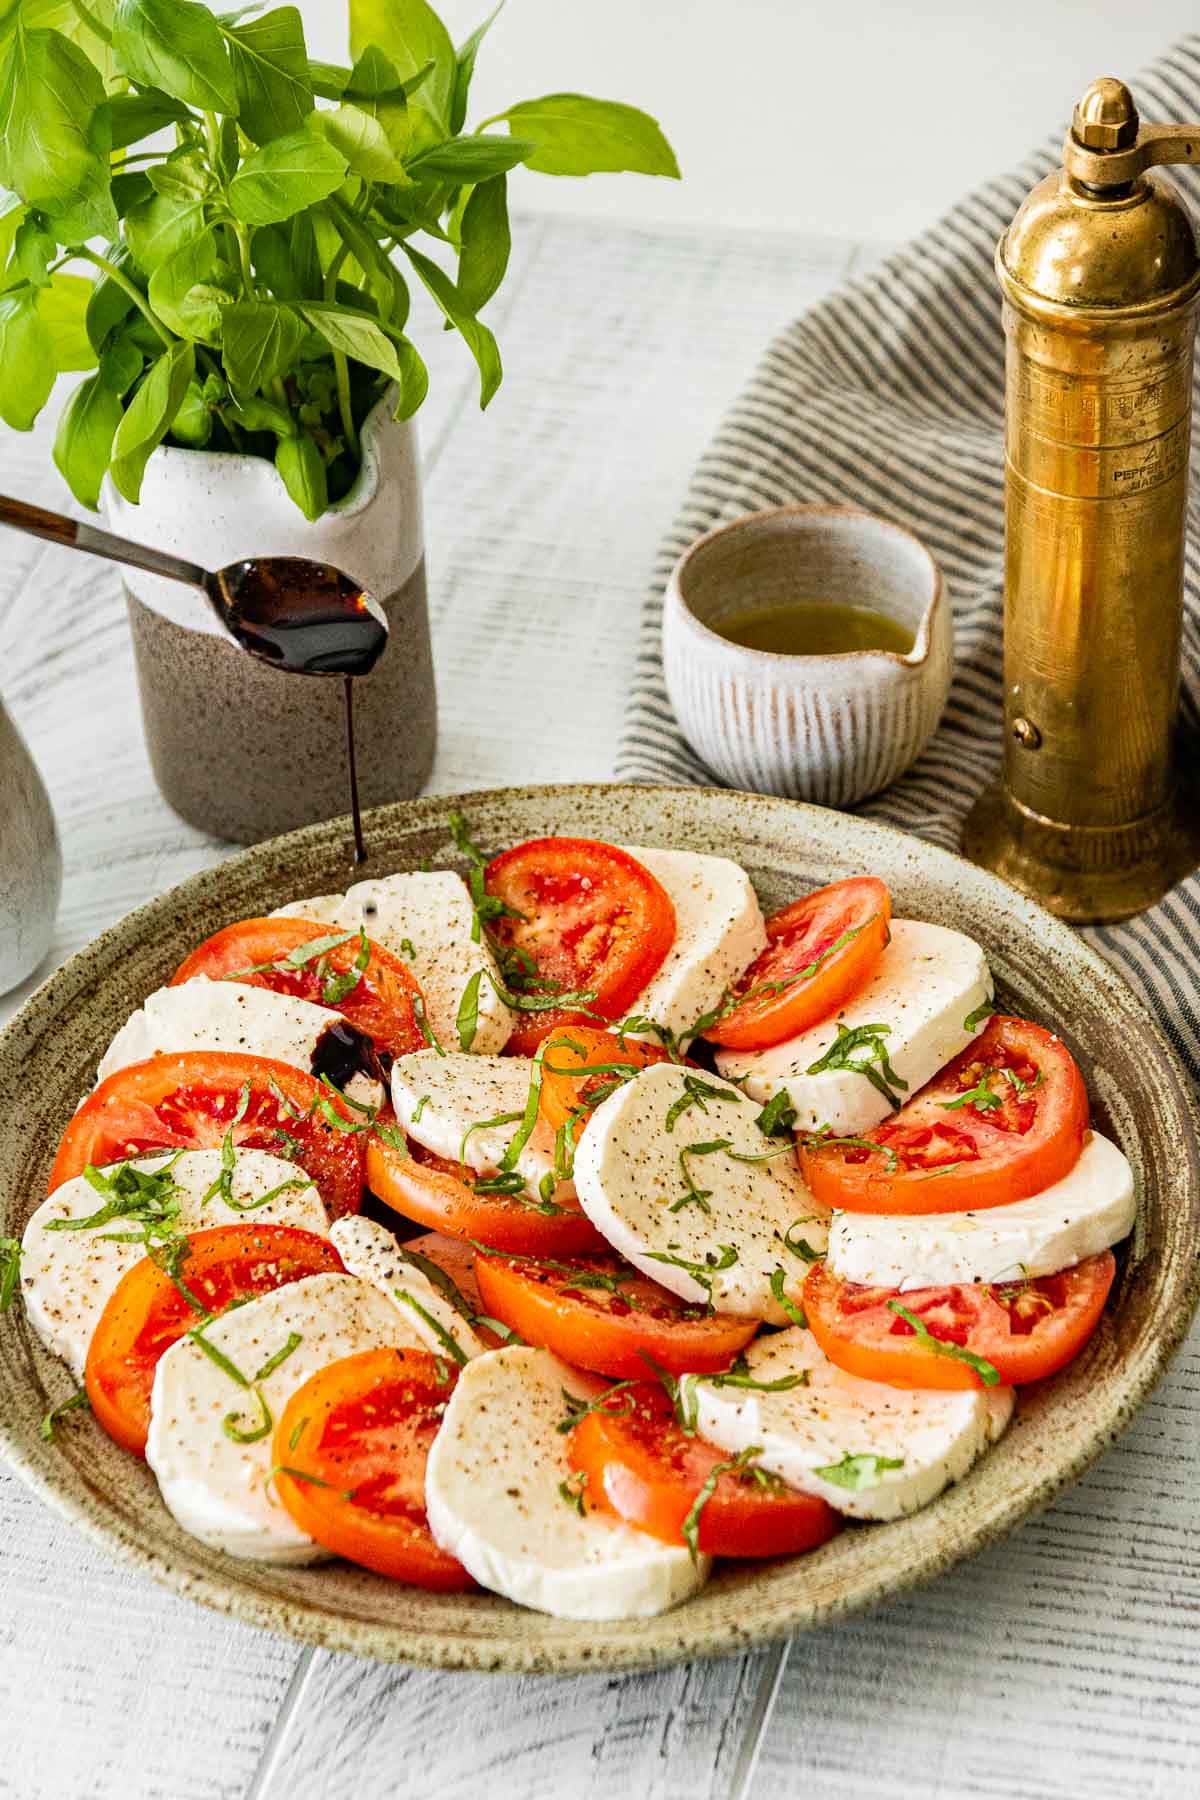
(254, 221)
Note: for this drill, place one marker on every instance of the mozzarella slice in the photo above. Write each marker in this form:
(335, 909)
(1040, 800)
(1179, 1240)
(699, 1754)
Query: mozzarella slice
(629, 1178)
(228, 1015)
(426, 918)
(493, 1494)
(217, 1488)
(321, 909)
(1089, 1209)
(371, 1252)
(445, 1104)
(929, 981)
(894, 1449)
(719, 931)
(68, 1277)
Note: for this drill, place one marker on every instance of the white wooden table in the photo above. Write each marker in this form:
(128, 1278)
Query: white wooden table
(1047, 1669)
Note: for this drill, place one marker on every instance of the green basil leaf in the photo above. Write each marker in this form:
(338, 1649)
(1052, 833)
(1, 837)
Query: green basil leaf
(285, 258)
(55, 144)
(303, 470)
(375, 88)
(121, 363)
(577, 135)
(33, 250)
(414, 379)
(130, 190)
(410, 34)
(257, 414)
(62, 308)
(183, 177)
(328, 81)
(270, 72)
(364, 143)
(108, 303)
(471, 158)
(149, 416)
(174, 280)
(464, 71)
(175, 45)
(284, 176)
(27, 368)
(485, 242)
(478, 338)
(83, 441)
(260, 339)
(12, 211)
(135, 116)
(156, 228)
(355, 334)
(192, 424)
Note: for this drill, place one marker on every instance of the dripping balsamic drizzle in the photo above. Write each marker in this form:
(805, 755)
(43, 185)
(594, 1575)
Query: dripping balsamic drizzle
(308, 619)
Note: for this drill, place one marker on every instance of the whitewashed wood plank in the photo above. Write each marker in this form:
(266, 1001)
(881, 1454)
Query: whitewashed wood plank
(109, 1685)
(1059, 1665)
(543, 519)
(624, 351)
(403, 1734)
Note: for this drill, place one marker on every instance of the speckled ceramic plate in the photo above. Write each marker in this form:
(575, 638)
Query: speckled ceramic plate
(1139, 1094)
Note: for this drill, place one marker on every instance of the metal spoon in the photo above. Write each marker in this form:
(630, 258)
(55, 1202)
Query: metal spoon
(305, 617)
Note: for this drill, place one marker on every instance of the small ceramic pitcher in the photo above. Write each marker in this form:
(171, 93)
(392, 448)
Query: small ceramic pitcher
(30, 860)
(831, 728)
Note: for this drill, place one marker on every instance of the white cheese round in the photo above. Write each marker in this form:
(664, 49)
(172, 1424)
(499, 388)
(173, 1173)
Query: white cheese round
(629, 1176)
(895, 1449)
(493, 1496)
(68, 1277)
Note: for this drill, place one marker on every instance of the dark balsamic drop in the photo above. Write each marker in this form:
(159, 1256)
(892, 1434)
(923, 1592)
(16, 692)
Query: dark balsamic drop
(343, 1051)
(307, 618)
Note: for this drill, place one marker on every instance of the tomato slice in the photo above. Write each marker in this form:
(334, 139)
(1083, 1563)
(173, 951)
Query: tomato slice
(642, 1467)
(191, 1101)
(1024, 1329)
(820, 950)
(441, 1195)
(569, 1093)
(600, 1313)
(350, 1450)
(1004, 1120)
(380, 1002)
(148, 1311)
(591, 920)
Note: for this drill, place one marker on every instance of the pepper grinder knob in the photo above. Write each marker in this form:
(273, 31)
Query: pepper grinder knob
(1106, 117)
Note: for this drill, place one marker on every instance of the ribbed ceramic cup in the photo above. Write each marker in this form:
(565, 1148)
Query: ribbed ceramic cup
(830, 729)
(30, 860)
(241, 749)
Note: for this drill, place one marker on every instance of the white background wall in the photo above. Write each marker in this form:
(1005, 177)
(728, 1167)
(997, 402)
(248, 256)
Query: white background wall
(860, 120)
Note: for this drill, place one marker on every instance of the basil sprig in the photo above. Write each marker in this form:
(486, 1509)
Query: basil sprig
(260, 215)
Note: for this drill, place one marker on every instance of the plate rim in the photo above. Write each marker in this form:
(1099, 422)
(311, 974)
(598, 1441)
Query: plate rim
(441, 1648)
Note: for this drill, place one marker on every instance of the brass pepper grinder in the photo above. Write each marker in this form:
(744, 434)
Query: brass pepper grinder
(1100, 272)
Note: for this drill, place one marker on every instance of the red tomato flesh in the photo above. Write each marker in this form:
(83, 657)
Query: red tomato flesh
(350, 1452)
(190, 1101)
(591, 920)
(441, 1195)
(582, 1066)
(1004, 1120)
(820, 950)
(1026, 1330)
(147, 1312)
(598, 1312)
(642, 1467)
(380, 1003)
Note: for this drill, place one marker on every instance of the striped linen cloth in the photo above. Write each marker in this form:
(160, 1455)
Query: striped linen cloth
(890, 395)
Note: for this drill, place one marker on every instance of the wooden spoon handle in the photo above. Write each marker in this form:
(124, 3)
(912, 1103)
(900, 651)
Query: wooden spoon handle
(39, 522)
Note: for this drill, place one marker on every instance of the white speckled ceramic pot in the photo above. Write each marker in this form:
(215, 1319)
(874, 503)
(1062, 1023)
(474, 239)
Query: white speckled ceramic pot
(831, 729)
(30, 860)
(240, 749)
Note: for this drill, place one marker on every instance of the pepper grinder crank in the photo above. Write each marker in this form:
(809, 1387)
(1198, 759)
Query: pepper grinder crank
(1100, 273)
